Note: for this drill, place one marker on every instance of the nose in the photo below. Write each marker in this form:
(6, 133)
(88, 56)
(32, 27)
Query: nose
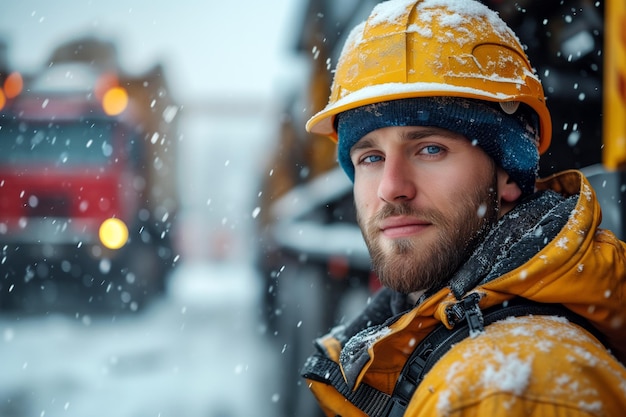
(398, 181)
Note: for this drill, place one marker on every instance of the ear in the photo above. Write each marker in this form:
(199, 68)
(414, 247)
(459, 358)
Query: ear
(508, 190)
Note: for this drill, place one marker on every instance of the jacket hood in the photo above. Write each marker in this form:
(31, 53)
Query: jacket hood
(583, 267)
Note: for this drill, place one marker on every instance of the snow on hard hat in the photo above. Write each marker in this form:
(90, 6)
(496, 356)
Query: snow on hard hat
(433, 48)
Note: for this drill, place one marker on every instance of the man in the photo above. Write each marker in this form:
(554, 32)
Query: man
(440, 121)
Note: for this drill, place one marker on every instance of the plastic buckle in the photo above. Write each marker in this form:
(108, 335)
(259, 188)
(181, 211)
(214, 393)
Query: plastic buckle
(473, 315)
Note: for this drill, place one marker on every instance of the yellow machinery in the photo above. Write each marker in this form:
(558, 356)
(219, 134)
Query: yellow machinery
(614, 121)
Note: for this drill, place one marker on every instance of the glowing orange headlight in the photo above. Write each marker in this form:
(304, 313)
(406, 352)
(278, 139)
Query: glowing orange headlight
(115, 101)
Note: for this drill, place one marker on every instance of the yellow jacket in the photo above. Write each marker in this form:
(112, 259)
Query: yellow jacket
(524, 366)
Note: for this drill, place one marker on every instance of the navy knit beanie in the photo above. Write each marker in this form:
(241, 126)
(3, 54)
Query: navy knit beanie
(509, 139)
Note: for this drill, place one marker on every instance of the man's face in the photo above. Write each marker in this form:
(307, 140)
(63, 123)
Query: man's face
(424, 196)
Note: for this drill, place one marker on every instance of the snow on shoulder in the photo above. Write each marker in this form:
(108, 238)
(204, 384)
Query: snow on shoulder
(528, 357)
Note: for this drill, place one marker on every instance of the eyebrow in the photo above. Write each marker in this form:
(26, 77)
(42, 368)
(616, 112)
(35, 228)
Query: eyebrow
(366, 142)
(427, 132)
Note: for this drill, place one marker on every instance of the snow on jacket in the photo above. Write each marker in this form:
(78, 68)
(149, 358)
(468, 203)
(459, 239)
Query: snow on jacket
(523, 366)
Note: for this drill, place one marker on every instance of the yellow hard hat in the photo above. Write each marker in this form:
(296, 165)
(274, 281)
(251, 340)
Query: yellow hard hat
(429, 48)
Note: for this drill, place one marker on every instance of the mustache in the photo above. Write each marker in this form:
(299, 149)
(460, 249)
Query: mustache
(404, 209)
(400, 209)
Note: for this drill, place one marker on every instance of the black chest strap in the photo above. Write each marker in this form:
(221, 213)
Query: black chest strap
(377, 403)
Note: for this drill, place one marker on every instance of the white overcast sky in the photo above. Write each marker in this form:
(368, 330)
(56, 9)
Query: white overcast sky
(208, 47)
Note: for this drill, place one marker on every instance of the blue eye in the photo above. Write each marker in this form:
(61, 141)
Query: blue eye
(372, 158)
(432, 149)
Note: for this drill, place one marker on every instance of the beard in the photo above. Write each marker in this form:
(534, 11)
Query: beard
(410, 264)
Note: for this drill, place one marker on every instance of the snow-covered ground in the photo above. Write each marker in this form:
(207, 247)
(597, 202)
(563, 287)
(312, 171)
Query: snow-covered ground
(200, 351)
